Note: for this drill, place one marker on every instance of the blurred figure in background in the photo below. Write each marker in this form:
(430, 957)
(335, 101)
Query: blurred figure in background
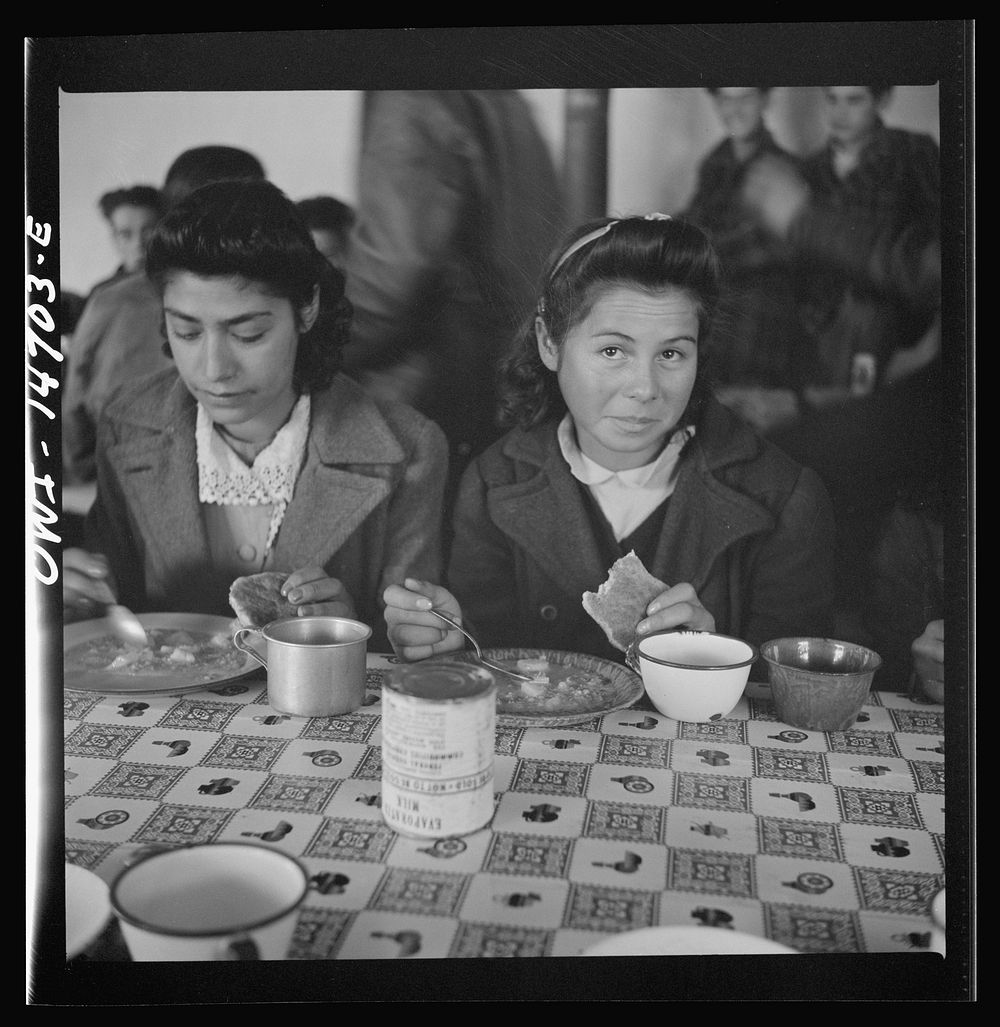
(458, 206)
(863, 222)
(131, 215)
(329, 221)
(119, 335)
(754, 340)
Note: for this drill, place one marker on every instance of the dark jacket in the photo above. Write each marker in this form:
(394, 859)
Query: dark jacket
(750, 529)
(718, 206)
(458, 207)
(366, 507)
(908, 588)
(868, 252)
(755, 334)
(118, 339)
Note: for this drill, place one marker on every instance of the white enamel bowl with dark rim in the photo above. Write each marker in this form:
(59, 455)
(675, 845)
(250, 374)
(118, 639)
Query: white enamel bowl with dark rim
(210, 901)
(697, 676)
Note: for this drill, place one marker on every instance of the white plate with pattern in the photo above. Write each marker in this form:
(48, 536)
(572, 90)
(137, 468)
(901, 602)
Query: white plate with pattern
(91, 656)
(569, 688)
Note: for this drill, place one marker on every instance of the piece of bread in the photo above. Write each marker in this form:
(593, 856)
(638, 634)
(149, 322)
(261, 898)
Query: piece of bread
(257, 600)
(620, 603)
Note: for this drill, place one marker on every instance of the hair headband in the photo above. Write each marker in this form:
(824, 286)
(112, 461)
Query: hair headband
(590, 237)
(597, 233)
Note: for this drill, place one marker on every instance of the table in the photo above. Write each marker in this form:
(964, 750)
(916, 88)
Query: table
(825, 842)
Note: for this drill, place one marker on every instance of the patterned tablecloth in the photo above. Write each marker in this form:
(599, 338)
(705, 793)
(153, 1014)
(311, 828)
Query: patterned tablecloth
(825, 842)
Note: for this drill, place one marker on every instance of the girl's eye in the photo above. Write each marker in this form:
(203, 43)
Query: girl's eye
(187, 336)
(249, 338)
(611, 351)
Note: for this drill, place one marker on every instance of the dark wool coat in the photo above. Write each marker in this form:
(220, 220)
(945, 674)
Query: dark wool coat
(749, 528)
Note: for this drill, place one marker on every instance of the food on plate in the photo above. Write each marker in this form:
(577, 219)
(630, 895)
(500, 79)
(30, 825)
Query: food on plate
(620, 602)
(554, 688)
(185, 656)
(565, 688)
(256, 599)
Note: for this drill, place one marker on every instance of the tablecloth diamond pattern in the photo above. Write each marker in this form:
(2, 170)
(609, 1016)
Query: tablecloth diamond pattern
(825, 842)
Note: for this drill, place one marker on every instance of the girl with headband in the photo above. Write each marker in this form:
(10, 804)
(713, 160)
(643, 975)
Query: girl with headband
(616, 444)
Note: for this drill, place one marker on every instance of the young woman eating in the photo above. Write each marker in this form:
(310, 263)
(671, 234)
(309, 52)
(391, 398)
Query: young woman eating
(253, 452)
(618, 445)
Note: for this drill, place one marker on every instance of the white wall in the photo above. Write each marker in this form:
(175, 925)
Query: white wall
(308, 143)
(305, 140)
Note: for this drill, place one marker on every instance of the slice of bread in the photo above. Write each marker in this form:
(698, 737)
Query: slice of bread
(256, 599)
(620, 603)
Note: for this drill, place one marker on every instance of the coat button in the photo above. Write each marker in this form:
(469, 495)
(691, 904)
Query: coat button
(247, 552)
(549, 612)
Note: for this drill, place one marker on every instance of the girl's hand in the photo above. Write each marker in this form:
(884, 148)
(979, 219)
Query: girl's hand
(314, 594)
(87, 587)
(678, 607)
(414, 633)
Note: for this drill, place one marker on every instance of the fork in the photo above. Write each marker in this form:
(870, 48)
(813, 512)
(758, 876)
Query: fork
(479, 653)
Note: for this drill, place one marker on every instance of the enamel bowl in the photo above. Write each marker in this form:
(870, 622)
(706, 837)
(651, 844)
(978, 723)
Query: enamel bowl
(696, 676)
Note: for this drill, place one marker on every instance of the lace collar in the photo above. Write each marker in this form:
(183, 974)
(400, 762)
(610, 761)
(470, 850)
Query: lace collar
(225, 479)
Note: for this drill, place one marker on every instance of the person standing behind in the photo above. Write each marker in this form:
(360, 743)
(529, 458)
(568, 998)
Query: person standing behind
(753, 344)
(119, 336)
(458, 206)
(131, 215)
(864, 227)
(329, 221)
(864, 223)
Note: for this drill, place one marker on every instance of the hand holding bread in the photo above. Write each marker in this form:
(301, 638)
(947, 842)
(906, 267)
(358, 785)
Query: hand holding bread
(258, 599)
(632, 602)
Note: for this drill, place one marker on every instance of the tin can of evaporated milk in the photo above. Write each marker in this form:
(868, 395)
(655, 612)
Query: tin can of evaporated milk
(438, 727)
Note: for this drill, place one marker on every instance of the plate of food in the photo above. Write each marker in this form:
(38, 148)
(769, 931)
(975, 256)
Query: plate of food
(565, 688)
(186, 652)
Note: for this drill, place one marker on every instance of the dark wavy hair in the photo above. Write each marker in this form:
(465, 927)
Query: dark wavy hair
(637, 252)
(203, 164)
(250, 230)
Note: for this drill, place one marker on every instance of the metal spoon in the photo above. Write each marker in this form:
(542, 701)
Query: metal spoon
(479, 653)
(125, 626)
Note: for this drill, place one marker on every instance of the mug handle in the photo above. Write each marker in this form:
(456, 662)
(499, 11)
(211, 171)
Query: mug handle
(246, 647)
(242, 947)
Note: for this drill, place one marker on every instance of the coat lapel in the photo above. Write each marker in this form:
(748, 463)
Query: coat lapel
(328, 506)
(159, 477)
(340, 483)
(703, 524)
(546, 516)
